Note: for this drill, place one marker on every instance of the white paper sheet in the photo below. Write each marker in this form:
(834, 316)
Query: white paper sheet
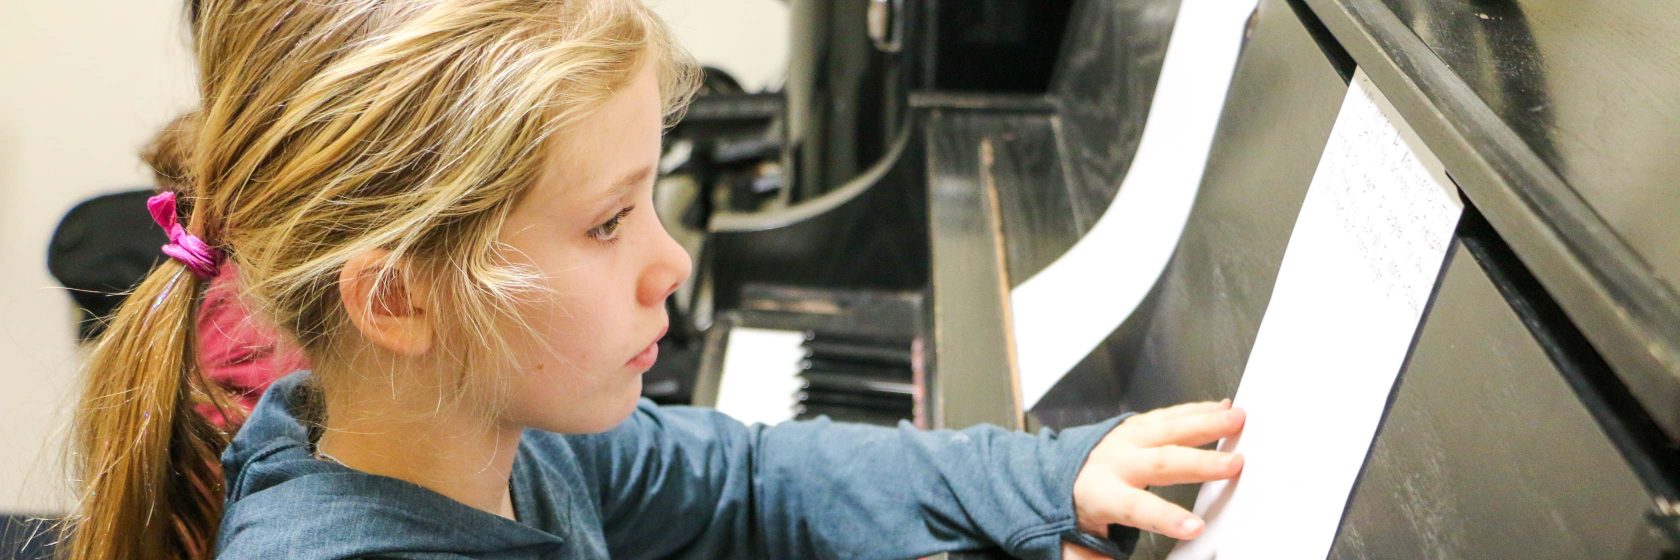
(1071, 306)
(760, 368)
(1366, 252)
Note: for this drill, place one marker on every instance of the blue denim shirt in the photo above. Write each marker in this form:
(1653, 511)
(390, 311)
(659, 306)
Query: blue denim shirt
(670, 482)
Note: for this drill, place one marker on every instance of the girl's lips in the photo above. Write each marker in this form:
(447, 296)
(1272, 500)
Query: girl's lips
(646, 358)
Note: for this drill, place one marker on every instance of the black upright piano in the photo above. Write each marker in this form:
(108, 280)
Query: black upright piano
(936, 154)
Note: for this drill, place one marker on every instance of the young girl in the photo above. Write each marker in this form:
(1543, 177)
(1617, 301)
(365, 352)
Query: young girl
(447, 205)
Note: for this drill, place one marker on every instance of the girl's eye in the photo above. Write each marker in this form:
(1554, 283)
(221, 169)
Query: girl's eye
(608, 231)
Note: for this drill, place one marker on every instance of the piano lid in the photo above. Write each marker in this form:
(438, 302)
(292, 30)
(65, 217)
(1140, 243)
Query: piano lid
(1591, 88)
(1559, 125)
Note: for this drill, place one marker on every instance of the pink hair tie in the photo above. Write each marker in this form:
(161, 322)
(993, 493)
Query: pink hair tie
(200, 257)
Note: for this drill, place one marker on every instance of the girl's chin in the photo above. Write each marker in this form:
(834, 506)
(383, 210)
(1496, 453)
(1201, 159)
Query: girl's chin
(605, 410)
(618, 415)
(625, 405)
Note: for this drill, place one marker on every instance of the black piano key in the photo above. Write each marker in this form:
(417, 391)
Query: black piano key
(883, 403)
(844, 414)
(847, 383)
(857, 353)
(828, 367)
(860, 339)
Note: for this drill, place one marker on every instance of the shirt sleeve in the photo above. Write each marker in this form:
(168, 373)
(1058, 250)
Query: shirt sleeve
(693, 483)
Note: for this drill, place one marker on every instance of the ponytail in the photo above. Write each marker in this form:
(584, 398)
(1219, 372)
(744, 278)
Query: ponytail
(169, 153)
(147, 463)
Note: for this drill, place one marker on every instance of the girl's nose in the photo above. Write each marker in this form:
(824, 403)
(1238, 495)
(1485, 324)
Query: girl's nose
(671, 267)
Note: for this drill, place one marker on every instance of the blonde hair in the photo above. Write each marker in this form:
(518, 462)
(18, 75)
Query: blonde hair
(329, 129)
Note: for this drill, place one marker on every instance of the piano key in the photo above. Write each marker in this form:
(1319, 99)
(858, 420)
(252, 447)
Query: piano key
(854, 352)
(847, 383)
(883, 403)
(844, 414)
(831, 367)
(759, 379)
(863, 339)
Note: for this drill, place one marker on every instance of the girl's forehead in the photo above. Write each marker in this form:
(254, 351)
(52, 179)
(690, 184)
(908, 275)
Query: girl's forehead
(616, 142)
(585, 172)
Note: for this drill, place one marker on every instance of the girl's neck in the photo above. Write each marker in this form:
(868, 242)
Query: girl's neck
(383, 429)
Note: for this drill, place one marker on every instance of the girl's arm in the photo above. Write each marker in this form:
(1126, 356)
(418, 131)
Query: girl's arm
(694, 483)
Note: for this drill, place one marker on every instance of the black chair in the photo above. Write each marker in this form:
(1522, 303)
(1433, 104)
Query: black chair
(101, 249)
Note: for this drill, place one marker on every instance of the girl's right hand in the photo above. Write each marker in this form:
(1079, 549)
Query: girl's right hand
(1157, 448)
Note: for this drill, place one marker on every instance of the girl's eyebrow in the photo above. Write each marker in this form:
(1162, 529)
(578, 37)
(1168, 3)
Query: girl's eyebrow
(623, 186)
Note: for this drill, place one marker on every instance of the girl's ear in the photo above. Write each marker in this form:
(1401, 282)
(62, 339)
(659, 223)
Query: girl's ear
(390, 312)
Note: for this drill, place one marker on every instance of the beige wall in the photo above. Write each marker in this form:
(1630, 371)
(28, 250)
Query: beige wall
(748, 38)
(82, 86)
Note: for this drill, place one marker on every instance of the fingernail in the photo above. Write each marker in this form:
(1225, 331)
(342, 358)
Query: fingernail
(1189, 526)
(1225, 402)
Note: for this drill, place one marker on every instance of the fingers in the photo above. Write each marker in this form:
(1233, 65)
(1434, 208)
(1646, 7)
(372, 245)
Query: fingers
(1157, 448)
(1172, 464)
(1187, 429)
(1137, 508)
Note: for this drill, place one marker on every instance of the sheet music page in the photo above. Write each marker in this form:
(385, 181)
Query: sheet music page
(1067, 309)
(760, 375)
(1364, 257)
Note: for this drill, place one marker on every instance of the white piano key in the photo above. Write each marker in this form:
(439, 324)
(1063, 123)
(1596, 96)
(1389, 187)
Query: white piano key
(760, 368)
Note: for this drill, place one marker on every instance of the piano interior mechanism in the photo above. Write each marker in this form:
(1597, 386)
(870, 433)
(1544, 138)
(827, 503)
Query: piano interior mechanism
(869, 239)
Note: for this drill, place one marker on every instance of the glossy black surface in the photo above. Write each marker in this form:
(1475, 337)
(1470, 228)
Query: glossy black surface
(1528, 62)
(1016, 153)
(875, 238)
(1057, 170)
(1191, 339)
(993, 46)
(1496, 444)
(1486, 452)
(1104, 84)
(1581, 254)
(973, 377)
(1592, 87)
(845, 98)
(1500, 441)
